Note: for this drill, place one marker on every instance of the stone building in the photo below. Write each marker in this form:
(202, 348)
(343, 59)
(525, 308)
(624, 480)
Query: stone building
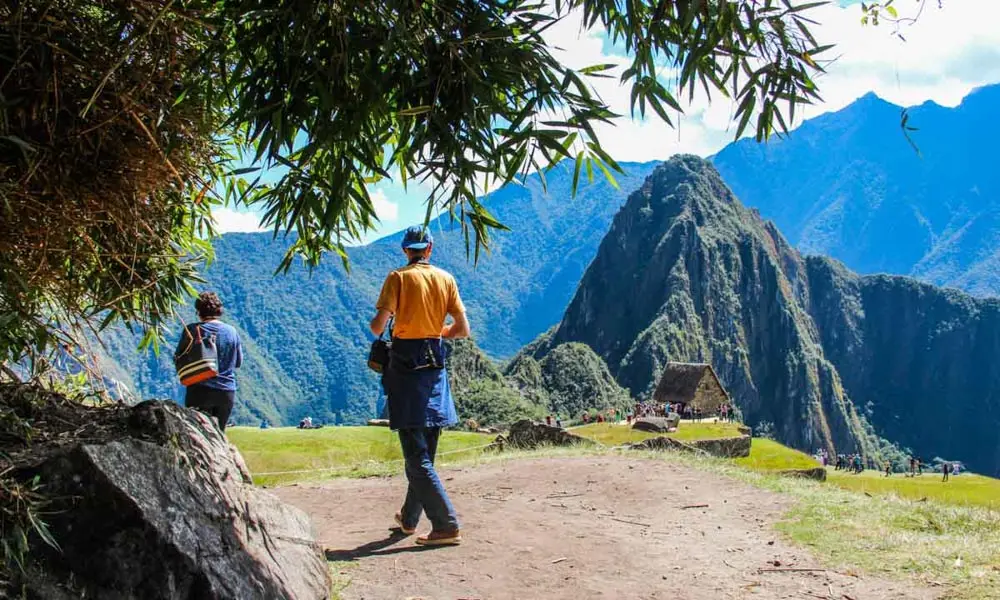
(694, 384)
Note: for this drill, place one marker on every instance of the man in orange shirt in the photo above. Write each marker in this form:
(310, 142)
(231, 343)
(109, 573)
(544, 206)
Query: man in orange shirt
(418, 298)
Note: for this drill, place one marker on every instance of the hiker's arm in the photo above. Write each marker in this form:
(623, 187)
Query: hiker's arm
(239, 352)
(458, 329)
(386, 305)
(379, 322)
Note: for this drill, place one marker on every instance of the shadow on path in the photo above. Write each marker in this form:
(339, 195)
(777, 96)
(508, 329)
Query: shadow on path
(375, 548)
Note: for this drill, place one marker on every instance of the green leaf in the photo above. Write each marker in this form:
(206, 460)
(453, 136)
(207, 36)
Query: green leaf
(416, 110)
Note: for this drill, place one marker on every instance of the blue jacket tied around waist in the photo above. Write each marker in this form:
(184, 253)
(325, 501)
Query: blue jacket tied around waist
(416, 385)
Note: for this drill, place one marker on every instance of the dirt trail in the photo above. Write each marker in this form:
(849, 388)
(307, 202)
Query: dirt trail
(578, 528)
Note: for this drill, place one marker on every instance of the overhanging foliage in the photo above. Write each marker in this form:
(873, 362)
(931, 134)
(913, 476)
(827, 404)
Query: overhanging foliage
(117, 117)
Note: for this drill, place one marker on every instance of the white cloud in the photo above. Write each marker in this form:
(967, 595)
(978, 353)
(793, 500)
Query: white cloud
(228, 220)
(386, 209)
(947, 52)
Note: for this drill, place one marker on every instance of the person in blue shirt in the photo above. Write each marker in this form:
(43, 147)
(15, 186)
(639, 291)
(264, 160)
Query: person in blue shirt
(215, 396)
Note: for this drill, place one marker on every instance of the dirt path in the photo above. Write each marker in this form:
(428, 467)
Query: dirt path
(577, 528)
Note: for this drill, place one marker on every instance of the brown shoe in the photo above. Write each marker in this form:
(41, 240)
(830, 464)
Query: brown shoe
(406, 530)
(440, 538)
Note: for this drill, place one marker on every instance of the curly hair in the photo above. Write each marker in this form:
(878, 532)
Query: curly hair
(208, 305)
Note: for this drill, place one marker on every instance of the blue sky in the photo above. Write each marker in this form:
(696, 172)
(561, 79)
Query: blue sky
(948, 52)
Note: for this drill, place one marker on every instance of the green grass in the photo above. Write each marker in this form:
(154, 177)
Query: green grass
(286, 454)
(768, 455)
(613, 434)
(967, 489)
(933, 542)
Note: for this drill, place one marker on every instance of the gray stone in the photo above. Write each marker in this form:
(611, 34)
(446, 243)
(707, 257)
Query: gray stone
(530, 434)
(378, 422)
(723, 448)
(734, 447)
(657, 424)
(664, 443)
(818, 473)
(169, 511)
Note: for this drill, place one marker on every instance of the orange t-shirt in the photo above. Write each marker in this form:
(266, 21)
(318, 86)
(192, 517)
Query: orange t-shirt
(419, 296)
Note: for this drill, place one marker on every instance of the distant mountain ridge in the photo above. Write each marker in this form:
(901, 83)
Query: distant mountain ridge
(307, 333)
(823, 357)
(848, 185)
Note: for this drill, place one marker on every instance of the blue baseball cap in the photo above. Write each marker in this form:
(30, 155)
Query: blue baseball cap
(417, 238)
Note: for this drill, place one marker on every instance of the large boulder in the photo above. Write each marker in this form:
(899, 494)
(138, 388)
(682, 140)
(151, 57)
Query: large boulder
(657, 424)
(164, 508)
(526, 434)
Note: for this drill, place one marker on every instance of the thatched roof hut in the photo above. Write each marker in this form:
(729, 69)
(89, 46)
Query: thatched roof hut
(695, 384)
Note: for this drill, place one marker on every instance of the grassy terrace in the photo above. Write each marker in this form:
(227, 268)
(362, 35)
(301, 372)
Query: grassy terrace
(285, 454)
(967, 489)
(768, 455)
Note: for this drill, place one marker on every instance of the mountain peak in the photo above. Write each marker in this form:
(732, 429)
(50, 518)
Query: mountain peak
(689, 274)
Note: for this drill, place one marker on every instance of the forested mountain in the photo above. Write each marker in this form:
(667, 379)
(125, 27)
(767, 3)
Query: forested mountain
(569, 380)
(849, 185)
(846, 184)
(829, 358)
(306, 333)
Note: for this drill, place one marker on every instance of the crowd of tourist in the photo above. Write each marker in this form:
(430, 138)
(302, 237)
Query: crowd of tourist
(725, 413)
(856, 463)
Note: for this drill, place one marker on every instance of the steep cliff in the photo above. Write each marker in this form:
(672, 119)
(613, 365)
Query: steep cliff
(923, 362)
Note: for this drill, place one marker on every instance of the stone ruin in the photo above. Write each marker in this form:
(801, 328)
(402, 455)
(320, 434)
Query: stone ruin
(657, 424)
(527, 434)
(735, 447)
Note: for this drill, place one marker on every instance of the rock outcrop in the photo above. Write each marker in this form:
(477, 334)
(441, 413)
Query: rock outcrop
(665, 443)
(736, 447)
(817, 473)
(657, 424)
(527, 434)
(167, 510)
(732, 447)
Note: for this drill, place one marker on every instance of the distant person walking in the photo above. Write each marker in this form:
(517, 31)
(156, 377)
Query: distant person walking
(419, 297)
(945, 470)
(215, 396)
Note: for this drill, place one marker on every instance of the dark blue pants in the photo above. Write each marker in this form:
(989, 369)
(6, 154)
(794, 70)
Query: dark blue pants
(212, 402)
(425, 492)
